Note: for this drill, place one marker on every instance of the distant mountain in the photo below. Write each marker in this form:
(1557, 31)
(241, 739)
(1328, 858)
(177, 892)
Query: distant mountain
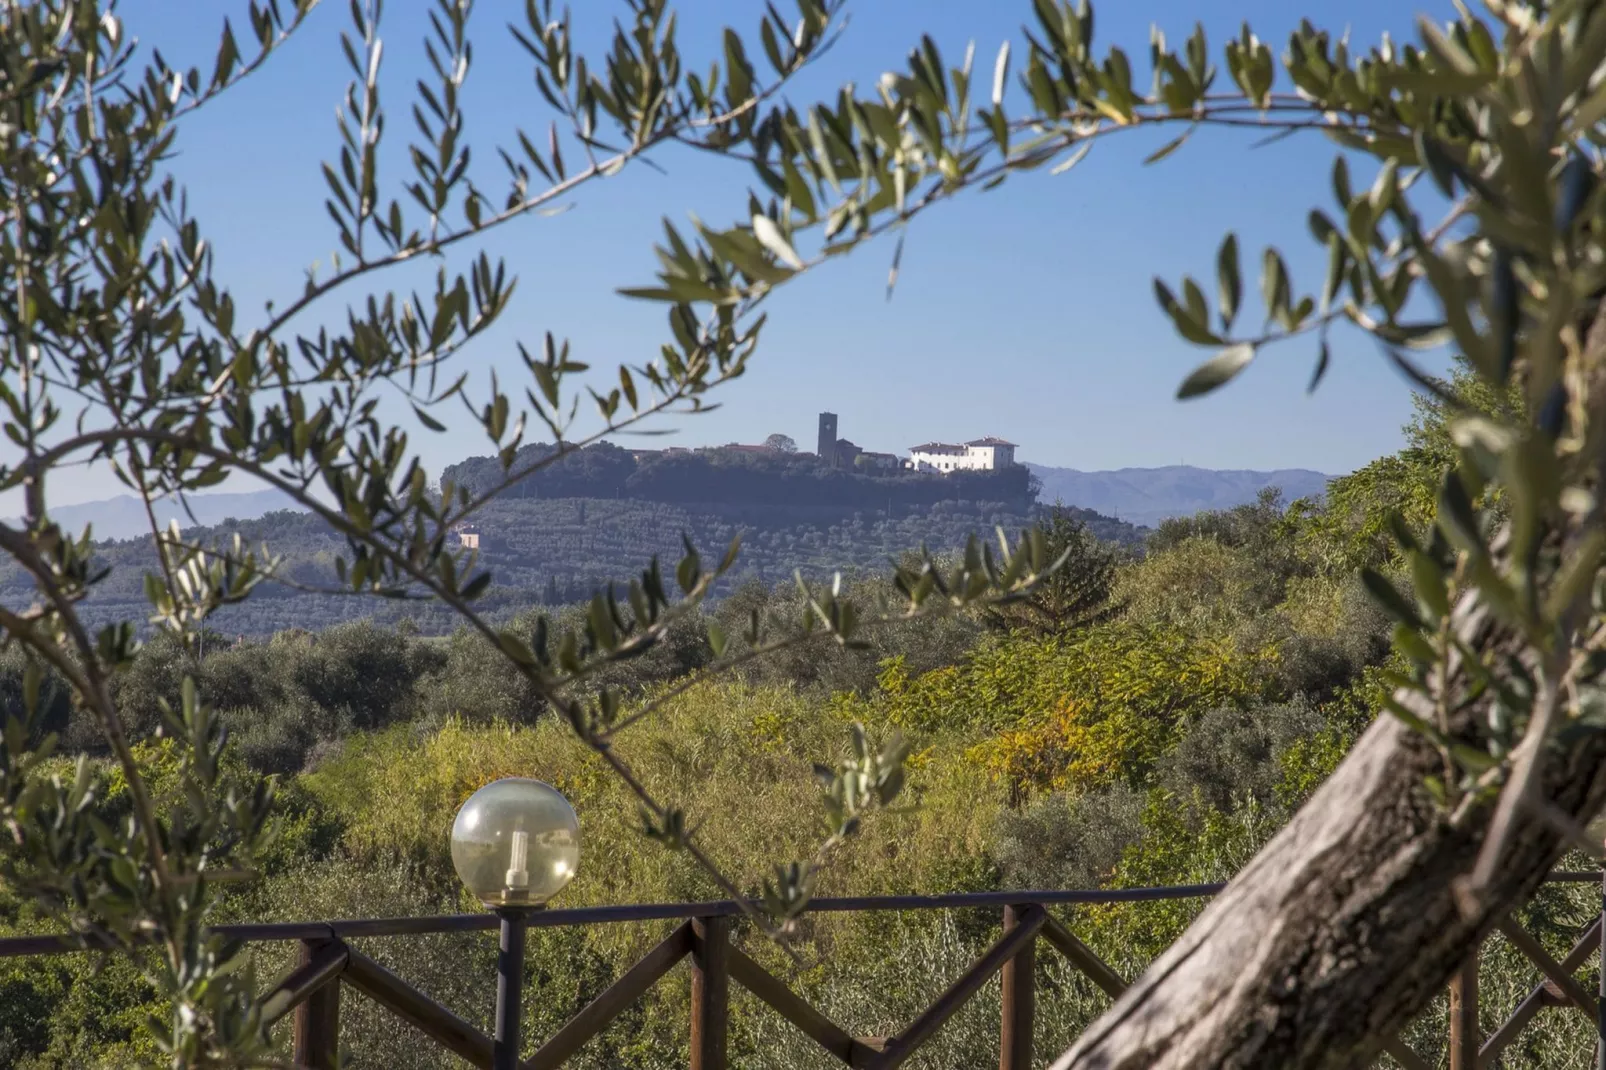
(1147, 496)
(123, 517)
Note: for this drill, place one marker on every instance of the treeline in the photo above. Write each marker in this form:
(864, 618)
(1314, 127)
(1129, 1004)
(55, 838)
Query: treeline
(288, 697)
(733, 477)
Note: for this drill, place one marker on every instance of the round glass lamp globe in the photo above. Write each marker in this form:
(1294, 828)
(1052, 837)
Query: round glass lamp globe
(516, 842)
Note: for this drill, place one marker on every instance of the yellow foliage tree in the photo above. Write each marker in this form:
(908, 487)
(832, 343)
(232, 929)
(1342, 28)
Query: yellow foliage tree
(1070, 711)
(1133, 688)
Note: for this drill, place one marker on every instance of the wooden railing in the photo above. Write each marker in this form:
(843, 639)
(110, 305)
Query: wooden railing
(311, 992)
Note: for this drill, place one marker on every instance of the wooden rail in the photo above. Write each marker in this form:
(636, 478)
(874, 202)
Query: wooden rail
(311, 991)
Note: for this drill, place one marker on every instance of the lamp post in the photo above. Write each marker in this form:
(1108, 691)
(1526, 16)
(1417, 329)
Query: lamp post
(515, 844)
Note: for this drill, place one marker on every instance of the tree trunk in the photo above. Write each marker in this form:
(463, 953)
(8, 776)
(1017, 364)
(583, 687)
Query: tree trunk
(1345, 926)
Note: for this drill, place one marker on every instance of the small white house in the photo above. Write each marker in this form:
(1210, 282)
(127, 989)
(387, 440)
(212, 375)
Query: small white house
(980, 455)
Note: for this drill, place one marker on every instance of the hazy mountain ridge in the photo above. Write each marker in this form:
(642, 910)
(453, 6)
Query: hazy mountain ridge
(123, 517)
(1147, 496)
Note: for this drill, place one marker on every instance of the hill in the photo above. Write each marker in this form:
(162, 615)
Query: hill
(1147, 496)
(600, 514)
(556, 551)
(730, 478)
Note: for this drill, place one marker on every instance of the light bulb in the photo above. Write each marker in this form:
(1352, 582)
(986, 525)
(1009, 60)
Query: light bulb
(518, 869)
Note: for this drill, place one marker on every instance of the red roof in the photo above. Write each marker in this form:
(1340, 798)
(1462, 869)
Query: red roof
(991, 440)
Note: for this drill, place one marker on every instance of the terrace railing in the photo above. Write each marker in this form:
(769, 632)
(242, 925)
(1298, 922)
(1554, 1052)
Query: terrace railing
(311, 993)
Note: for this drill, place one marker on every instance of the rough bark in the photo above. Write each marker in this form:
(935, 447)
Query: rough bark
(1346, 925)
(1342, 929)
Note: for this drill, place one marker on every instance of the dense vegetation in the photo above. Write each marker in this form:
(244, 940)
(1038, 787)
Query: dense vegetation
(1140, 720)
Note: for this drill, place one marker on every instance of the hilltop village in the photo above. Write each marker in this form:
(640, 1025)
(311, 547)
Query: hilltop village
(986, 454)
(772, 486)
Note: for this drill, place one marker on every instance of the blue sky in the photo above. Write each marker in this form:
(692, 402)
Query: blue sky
(1026, 312)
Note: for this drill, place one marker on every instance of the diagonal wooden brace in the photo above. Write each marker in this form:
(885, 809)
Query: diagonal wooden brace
(322, 967)
(1558, 975)
(906, 1043)
(789, 1005)
(596, 1015)
(418, 1010)
(1538, 999)
(1404, 1055)
(1081, 956)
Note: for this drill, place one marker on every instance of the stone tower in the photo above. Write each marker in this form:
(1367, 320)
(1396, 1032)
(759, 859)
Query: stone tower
(827, 444)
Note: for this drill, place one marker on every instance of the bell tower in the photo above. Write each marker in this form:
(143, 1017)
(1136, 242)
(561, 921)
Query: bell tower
(827, 443)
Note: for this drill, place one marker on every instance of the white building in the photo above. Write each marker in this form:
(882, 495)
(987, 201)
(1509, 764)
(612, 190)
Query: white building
(981, 455)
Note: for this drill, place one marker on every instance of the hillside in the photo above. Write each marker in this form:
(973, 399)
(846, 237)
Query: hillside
(1141, 496)
(602, 513)
(556, 551)
(1147, 496)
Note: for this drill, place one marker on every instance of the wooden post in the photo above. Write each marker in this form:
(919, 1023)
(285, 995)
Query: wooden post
(1019, 1000)
(1464, 1035)
(317, 1021)
(710, 992)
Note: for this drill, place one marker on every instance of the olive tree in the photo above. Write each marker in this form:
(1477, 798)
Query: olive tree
(124, 350)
